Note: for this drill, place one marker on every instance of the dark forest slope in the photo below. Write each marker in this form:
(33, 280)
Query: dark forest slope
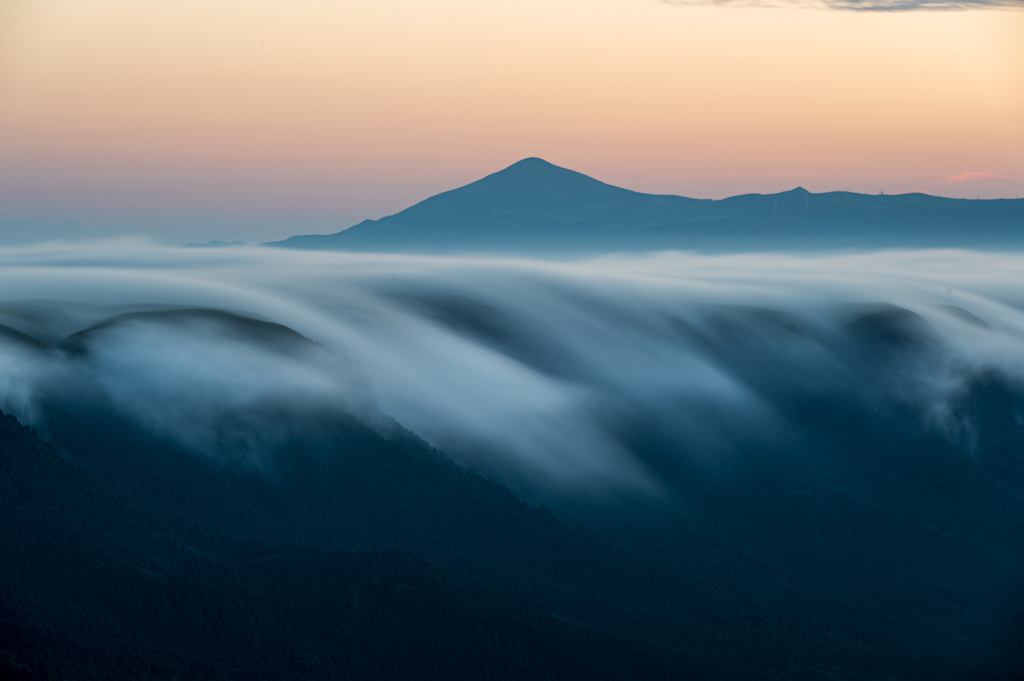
(153, 562)
(866, 546)
(114, 578)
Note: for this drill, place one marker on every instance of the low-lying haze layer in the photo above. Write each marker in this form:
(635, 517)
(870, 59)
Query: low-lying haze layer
(608, 373)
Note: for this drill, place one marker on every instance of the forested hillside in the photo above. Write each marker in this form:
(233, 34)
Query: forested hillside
(373, 558)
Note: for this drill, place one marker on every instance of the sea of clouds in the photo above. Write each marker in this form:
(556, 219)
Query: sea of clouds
(558, 374)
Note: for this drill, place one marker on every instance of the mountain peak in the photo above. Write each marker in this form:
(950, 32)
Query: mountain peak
(532, 162)
(530, 182)
(535, 167)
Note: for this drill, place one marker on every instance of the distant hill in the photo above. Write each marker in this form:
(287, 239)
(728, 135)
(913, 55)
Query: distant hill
(535, 207)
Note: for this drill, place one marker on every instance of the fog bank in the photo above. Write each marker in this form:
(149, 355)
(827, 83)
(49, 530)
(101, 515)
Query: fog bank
(602, 373)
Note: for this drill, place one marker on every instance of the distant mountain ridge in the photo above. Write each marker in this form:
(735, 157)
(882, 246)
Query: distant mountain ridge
(536, 207)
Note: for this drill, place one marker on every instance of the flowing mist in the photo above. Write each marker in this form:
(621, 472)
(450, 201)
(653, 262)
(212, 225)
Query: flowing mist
(606, 373)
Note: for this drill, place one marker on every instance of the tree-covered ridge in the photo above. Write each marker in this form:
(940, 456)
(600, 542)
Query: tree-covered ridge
(99, 584)
(364, 557)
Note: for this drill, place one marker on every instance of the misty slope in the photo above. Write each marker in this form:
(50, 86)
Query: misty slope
(533, 207)
(865, 544)
(98, 583)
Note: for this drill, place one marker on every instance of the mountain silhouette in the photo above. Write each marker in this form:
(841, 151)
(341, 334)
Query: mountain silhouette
(530, 203)
(535, 207)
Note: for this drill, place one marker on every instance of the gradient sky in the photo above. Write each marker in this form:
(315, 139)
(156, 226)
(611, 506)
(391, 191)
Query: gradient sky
(192, 120)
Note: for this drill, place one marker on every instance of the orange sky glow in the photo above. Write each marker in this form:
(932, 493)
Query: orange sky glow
(263, 119)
